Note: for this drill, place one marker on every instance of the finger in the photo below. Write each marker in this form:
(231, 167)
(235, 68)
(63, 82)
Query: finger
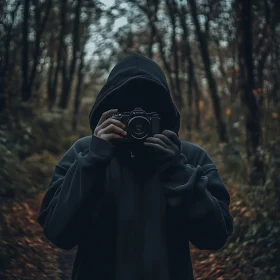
(112, 128)
(111, 121)
(155, 146)
(111, 136)
(166, 140)
(156, 141)
(106, 115)
(172, 136)
(108, 122)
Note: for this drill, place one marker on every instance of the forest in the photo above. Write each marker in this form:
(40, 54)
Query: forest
(222, 63)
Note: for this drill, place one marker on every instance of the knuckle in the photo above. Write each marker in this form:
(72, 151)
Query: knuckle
(113, 121)
(105, 122)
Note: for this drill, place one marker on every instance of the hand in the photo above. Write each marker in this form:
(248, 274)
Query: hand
(166, 146)
(108, 128)
(203, 202)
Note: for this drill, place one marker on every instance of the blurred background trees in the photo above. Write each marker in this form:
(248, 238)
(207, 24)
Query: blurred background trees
(223, 54)
(221, 59)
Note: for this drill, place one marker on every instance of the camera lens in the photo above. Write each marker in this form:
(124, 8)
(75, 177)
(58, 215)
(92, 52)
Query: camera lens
(139, 127)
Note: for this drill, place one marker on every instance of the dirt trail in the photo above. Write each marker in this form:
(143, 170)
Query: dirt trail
(26, 235)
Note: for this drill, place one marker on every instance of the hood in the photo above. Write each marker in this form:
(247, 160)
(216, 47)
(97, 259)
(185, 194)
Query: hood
(137, 81)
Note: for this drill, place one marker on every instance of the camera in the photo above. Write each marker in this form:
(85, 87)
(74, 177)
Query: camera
(139, 124)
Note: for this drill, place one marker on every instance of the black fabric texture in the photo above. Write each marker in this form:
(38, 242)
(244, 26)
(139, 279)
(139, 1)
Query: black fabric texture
(133, 217)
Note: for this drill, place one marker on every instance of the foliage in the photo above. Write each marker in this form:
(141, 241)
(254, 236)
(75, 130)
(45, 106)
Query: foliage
(222, 62)
(12, 174)
(20, 138)
(22, 243)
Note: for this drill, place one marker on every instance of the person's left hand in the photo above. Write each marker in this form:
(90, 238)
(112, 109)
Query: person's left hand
(165, 146)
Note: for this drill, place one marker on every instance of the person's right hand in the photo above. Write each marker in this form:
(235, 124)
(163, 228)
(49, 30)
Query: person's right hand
(108, 128)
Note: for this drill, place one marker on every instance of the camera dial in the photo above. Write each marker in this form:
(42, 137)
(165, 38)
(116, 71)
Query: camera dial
(139, 127)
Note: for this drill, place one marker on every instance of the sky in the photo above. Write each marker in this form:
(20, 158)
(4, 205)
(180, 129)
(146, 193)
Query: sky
(118, 23)
(108, 2)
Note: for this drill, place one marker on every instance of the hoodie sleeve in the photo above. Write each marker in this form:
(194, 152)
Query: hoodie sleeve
(198, 202)
(75, 188)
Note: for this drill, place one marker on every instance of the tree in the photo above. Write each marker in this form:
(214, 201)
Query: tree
(188, 68)
(252, 113)
(67, 76)
(6, 38)
(202, 39)
(25, 52)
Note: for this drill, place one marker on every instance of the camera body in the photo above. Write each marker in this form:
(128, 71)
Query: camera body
(139, 124)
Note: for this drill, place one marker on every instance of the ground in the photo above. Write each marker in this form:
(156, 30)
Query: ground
(34, 257)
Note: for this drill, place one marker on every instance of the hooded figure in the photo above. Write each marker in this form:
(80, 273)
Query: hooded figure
(131, 213)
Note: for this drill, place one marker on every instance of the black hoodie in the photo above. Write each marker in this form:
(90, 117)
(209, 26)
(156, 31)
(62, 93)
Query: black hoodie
(134, 223)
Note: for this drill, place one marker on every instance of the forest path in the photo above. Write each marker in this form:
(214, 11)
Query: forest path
(36, 258)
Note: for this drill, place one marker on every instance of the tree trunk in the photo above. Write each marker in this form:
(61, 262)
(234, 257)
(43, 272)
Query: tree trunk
(177, 91)
(52, 89)
(78, 90)
(68, 78)
(252, 115)
(221, 127)
(167, 67)
(275, 96)
(3, 102)
(40, 27)
(5, 58)
(25, 52)
(197, 98)
(151, 43)
(50, 92)
(188, 63)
